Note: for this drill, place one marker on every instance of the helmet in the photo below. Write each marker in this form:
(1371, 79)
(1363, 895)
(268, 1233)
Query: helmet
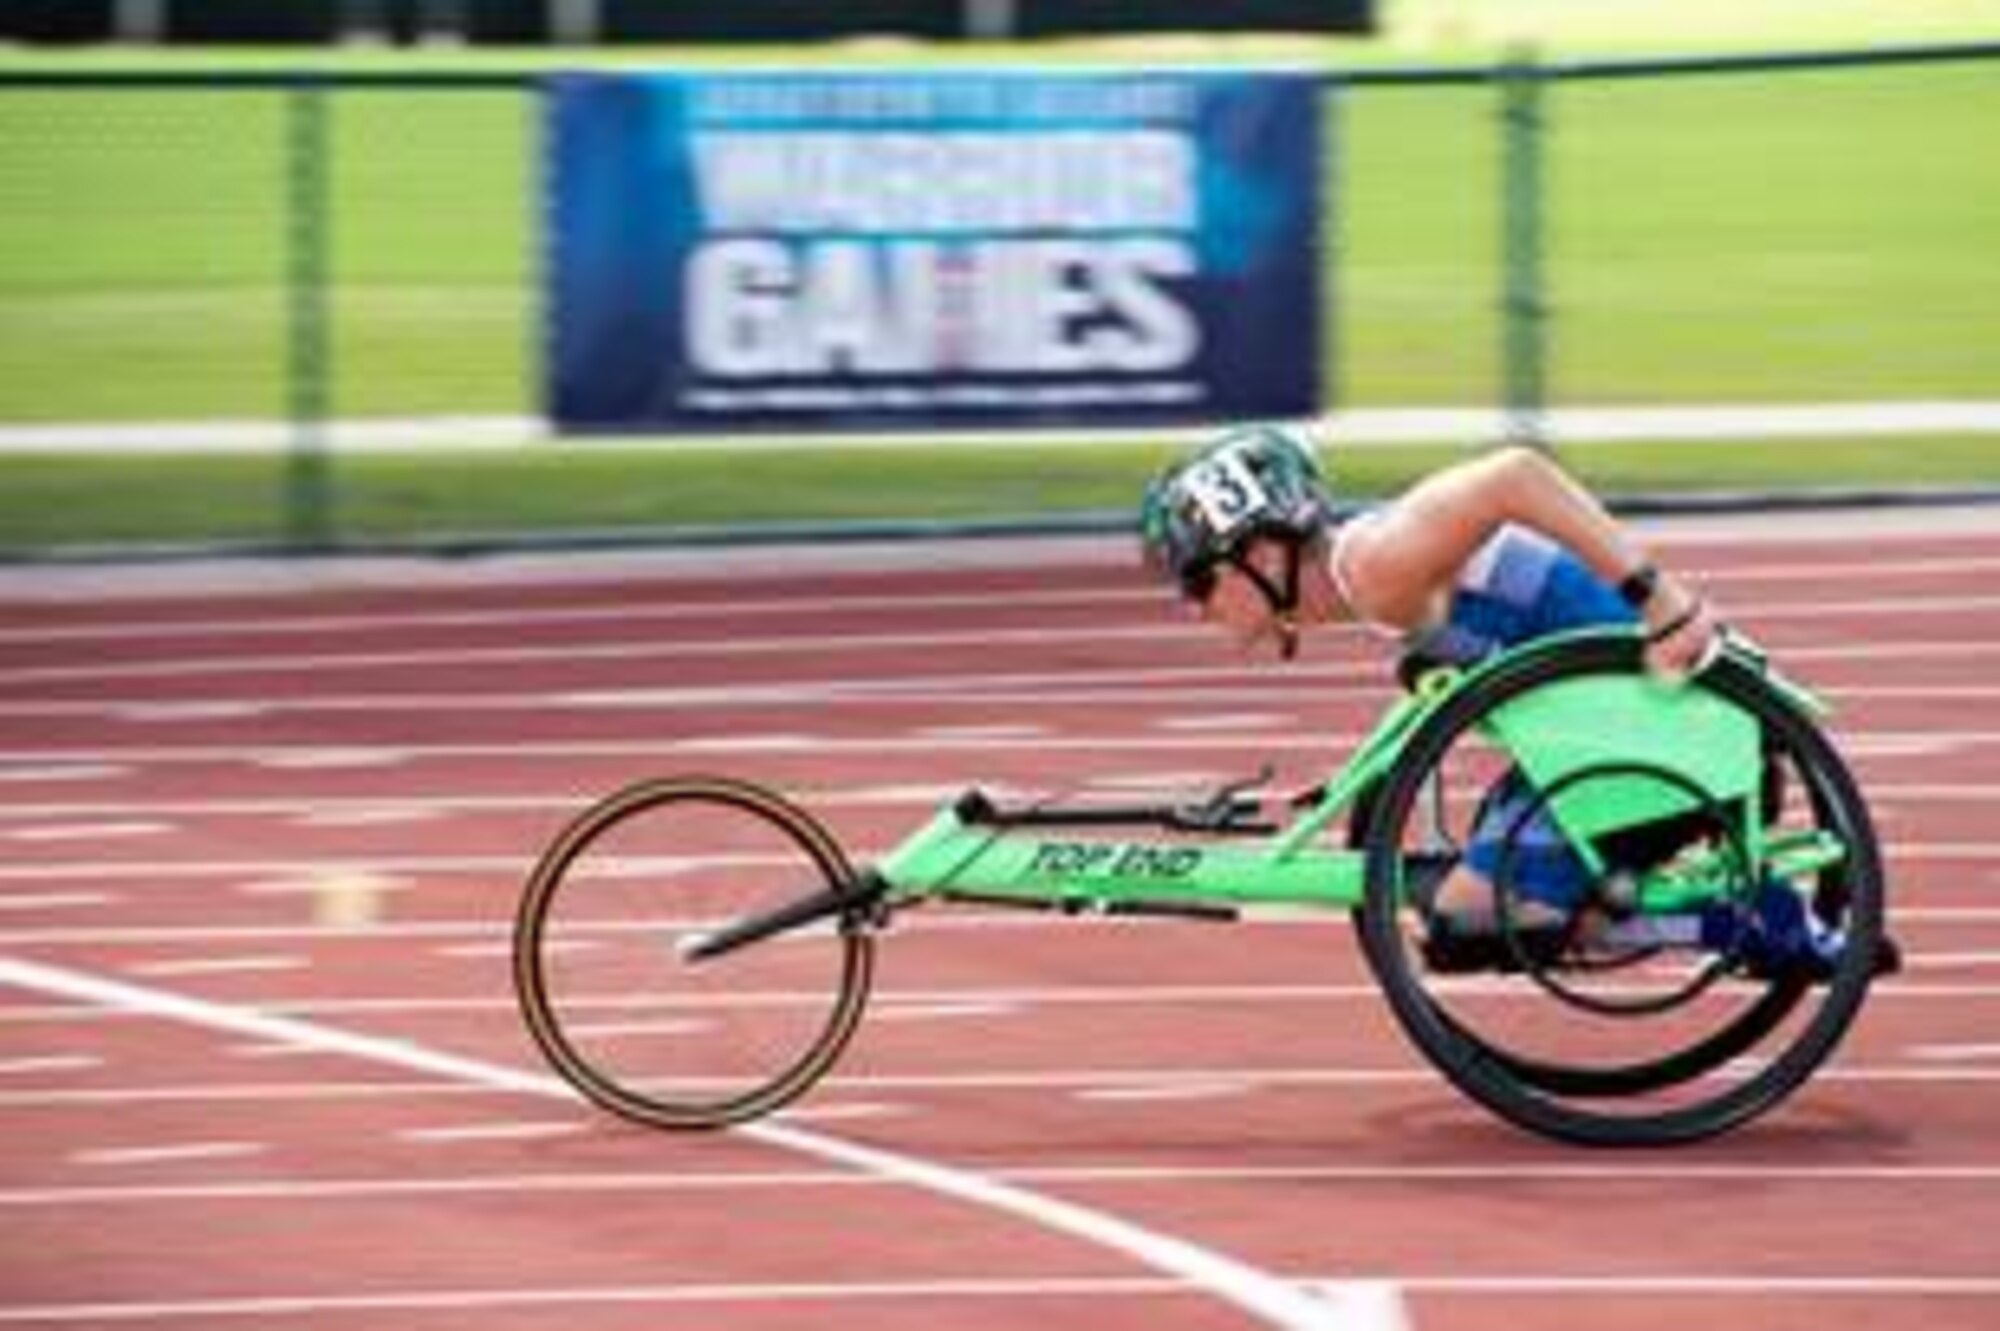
(1259, 480)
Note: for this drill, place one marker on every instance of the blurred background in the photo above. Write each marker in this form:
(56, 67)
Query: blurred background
(282, 277)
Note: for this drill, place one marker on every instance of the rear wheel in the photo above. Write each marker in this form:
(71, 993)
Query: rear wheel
(1637, 1045)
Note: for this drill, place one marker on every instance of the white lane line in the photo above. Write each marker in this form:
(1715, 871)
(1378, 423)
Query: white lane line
(360, 807)
(162, 970)
(270, 1050)
(1194, 1090)
(462, 658)
(502, 1131)
(268, 1308)
(1289, 995)
(33, 901)
(1953, 1053)
(22, 1067)
(794, 743)
(951, 734)
(277, 877)
(1494, 988)
(88, 832)
(308, 930)
(1841, 573)
(805, 645)
(626, 612)
(312, 759)
(336, 810)
(163, 712)
(1725, 1286)
(1354, 1306)
(1123, 689)
(639, 1029)
(1228, 721)
(498, 950)
(170, 1154)
(1855, 743)
(40, 772)
(838, 1111)
(984, 1289)
(330, 810)
(378, 816)
(1951, 960)
(1168, 1174)
(1971, 1079)
(473, 933)
(307, 756)
(309, 880)
(891, 1010)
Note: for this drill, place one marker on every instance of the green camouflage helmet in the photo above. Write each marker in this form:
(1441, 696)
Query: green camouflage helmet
(1255, 481)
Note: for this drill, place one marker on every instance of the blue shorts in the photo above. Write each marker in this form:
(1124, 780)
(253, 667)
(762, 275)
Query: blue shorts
(1525, 587)
(1521, 848)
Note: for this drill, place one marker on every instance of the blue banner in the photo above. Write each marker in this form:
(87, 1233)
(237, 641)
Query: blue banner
(866, 251)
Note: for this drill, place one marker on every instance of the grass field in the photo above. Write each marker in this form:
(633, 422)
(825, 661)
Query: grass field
(587, 489)
(1798, 237)
(1819, 236)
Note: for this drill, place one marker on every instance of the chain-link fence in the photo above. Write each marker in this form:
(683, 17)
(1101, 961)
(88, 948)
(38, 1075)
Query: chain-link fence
(164, 242)
(247, 258)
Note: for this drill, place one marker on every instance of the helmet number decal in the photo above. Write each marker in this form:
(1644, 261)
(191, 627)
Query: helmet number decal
(1227, 491)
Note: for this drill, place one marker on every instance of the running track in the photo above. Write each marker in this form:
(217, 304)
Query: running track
(259, 1065)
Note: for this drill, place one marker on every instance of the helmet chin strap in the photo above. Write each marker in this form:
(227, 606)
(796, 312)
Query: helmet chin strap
(1283, 598)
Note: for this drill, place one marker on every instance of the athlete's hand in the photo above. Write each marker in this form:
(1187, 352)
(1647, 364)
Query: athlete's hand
(1683, 634)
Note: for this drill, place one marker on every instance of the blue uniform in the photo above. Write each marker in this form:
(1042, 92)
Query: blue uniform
(1518, 587)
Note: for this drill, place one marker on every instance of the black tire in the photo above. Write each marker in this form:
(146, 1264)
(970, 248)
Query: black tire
(1733, 1039)
(1672, 1094)
(1639, 1077)
(691, 1044)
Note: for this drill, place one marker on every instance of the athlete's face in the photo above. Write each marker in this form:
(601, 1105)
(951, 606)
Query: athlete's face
(1239, 606)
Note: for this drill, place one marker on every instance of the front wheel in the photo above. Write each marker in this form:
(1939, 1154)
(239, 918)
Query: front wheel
(1647, 1046)
(611, 982)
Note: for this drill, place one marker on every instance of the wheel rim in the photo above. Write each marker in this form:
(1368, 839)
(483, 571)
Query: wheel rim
(633, 1024)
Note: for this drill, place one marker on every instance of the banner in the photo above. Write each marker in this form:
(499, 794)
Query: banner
(863, 251)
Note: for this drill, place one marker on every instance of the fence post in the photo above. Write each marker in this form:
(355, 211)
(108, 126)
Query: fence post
(1332, 390)
(1524, 307)
(309, 506)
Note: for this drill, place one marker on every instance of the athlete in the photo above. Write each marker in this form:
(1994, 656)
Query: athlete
(1483, 555)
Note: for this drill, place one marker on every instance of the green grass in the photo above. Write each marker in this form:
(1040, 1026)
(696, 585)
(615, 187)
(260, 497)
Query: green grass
(145, 255)
(1803, 237)
(1789, 238)
(591, 487)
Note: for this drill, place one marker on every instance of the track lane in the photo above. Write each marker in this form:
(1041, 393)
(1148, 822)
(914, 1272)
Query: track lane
(1397, 1125)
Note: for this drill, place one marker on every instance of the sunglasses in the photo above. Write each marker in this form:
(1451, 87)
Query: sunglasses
(1198, 582)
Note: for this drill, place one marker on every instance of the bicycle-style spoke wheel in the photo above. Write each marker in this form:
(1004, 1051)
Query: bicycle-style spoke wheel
(1603, 1022)
(602, 960)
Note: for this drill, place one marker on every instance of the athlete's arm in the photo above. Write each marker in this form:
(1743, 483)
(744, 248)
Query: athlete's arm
(1410, 552)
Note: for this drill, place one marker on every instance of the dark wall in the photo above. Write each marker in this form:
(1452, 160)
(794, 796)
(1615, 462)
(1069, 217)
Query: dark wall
(55, 20)
(1042, 18)
(777, 20)
(795, 20)
(251, 21)
(670, 20)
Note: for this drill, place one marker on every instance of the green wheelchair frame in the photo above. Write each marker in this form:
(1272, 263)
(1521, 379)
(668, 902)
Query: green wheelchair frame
(972, 849)
(1607, 745)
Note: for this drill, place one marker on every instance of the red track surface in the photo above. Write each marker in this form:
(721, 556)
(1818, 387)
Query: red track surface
(185, 770)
